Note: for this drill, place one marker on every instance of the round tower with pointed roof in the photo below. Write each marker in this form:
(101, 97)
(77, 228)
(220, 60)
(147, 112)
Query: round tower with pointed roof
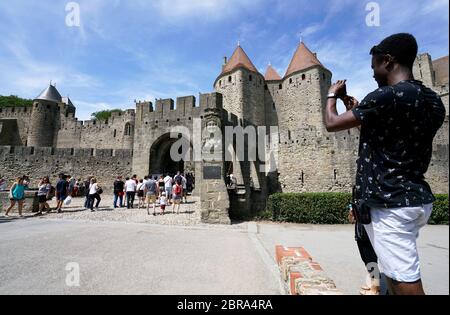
(303, 92)
(272, 95)
(242, 87)
(44, 118)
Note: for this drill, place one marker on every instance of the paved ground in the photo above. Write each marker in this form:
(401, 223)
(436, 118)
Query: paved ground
(129, 252)
(336, 251)
(118, 258)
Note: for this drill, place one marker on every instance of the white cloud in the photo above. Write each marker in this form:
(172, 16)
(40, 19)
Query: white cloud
(312, 29)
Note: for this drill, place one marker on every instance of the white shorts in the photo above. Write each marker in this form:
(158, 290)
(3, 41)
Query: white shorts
(393, 234)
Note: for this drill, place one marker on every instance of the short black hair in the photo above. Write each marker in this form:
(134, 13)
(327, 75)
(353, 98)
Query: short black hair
(402, 46)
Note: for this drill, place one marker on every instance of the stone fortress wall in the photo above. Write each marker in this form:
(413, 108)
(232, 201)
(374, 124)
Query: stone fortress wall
(105, 165)
(137, 141)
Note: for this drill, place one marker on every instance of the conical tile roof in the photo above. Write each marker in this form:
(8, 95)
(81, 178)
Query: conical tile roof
(239, 59)
(303, 59)
(271, 74)
(50, 94)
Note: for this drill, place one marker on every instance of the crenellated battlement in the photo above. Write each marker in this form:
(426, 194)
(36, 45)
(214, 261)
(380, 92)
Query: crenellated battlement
(312, 137)
(15, 112)
(185, 108)
(62, 153)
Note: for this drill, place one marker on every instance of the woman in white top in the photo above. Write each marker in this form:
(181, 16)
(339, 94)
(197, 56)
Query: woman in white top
(130, 188)
(44, 194)
(94, 194)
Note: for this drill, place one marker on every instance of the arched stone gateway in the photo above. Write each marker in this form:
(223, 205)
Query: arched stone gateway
(156, 151)
(162, 161)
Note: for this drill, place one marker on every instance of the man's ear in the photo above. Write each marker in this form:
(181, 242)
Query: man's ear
(389, 61)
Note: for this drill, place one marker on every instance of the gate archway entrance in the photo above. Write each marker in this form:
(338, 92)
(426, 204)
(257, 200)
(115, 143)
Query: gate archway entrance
(161, 161)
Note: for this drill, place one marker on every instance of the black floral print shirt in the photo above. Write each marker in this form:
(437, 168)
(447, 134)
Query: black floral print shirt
(399, 124)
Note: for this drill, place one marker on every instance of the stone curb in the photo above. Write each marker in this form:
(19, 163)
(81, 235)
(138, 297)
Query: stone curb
(301, 275)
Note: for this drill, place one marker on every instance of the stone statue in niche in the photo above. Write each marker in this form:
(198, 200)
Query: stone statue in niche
(212, 138)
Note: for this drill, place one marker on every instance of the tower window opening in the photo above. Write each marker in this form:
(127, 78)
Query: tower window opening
(290, 81)
(335, 174)
(250, 78)
(280, 87)
(115, 133)
(128, 129)
(303, 77)
(229, 79)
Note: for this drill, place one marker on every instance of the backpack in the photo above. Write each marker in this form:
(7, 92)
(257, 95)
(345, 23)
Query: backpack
(177, 190)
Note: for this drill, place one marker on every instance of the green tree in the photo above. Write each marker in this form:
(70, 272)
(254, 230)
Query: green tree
(105, 114)
(14, 101)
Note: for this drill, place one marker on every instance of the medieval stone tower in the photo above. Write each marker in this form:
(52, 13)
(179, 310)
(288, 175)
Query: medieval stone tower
(242, 87)
(44, 118)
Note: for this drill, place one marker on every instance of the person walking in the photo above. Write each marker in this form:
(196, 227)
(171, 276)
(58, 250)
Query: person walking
(61, 192)
(130, 188)
(177, 196)
(140, 193)
(119, 187)
(71, 186)
(168, 184)
(86, 185)
(161, 185)
(163, 203)
(94, 194)
(189, 183)
(44, 189)
(184, 185)
(16, 195)
(151, 190)
(399, 122)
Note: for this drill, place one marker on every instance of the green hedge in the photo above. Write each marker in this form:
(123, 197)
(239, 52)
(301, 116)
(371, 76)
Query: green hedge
(328, 208)
(440, 213)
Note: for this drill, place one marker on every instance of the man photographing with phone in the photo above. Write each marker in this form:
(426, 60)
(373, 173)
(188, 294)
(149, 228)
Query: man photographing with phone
(398, 124)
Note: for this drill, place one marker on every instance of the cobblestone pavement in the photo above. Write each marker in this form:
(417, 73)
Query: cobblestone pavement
(189, 213)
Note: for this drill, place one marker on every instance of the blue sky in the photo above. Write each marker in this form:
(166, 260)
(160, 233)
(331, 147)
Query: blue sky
(136, 49)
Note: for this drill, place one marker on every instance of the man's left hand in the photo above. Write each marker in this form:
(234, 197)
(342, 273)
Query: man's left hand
(339, 88)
